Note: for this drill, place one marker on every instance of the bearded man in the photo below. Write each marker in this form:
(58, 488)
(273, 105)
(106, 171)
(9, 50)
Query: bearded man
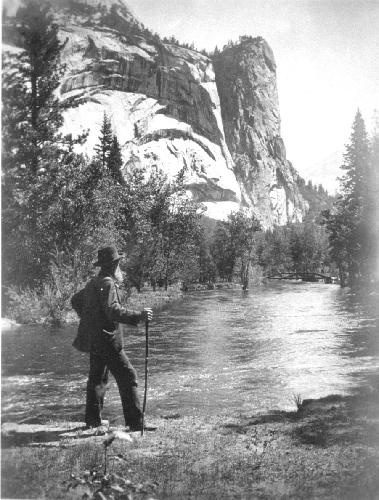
(100, 310)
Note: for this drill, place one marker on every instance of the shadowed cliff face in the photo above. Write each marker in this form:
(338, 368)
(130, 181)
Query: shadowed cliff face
(246, 83)
(174, 76)
(164, 106)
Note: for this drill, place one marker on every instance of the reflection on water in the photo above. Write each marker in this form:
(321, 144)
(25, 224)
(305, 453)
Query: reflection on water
(215, 352)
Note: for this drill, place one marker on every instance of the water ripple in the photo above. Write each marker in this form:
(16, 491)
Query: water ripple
(216, 352)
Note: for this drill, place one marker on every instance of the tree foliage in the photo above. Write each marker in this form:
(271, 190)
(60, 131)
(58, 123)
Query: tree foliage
(351, 221)
(55, 200)
(104, 146)
(299, 248)
(115, 161)
(243, 226)
(162, 223)
(234, 244)
(31, 110)
(32, 145)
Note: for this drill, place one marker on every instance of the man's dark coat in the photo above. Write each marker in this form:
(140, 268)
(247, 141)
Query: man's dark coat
(99, 308)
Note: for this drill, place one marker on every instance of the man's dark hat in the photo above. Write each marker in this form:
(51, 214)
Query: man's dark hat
(106, 256)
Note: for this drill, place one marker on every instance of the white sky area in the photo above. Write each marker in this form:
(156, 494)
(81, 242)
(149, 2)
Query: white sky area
(327, 55)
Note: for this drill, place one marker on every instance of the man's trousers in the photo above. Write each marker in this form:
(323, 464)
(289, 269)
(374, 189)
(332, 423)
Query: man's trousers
(115, 360)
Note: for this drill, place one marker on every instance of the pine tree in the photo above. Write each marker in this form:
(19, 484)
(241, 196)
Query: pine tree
(115, 161)
(33, 147)
(355, 185)
(104, 146)
(32, 114)
(349, 233)
(356, 164)
(30, 131)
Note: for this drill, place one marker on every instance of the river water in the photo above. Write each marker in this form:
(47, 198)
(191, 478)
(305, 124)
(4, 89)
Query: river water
(223, 352)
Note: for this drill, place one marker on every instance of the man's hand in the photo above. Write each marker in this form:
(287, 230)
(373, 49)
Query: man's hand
(146, 314)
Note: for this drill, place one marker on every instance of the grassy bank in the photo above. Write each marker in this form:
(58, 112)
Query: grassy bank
(37, 307)
(45, 306)
(329, 449)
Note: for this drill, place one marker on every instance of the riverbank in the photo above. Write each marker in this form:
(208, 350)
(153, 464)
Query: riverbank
(157, 300)
(31, 308)
(328, 448)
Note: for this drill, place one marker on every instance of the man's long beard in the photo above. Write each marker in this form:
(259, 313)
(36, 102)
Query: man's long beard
(118, 275)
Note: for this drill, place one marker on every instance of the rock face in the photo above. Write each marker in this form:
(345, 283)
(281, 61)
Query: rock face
(162, 100)
(246, 83)
(164, 106)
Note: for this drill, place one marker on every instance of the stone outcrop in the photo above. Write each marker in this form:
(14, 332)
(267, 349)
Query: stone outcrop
(165, 108)
(246, 83)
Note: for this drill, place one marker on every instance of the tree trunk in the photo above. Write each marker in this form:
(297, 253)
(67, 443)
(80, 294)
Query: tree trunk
(342, 277)
(34, 122)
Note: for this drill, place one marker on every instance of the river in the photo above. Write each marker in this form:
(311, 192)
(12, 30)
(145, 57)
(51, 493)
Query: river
(222, 352)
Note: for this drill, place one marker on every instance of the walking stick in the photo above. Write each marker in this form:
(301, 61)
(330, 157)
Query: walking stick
(146, 372)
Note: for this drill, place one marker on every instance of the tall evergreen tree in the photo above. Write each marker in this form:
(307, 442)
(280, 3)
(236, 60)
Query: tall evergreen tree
(356, 165)
(355, 185)
(115, 161)
(33, 146)
(349, 233)
(32, 114)
(103, 148)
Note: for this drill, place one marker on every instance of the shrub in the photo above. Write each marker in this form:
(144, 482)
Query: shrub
(66, 275)
(50, 303)
(298, 400)
(25, 305)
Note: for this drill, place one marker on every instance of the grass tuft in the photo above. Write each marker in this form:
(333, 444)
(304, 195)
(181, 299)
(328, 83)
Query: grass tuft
(298, 400)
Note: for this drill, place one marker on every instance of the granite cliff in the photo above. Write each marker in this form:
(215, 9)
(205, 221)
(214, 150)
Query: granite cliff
(246, 83)
(174, 107)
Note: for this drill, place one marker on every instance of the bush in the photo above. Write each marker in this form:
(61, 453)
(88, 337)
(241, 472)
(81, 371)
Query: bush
(25, 305)
(46, 305)
(67, 275)
(52, 302)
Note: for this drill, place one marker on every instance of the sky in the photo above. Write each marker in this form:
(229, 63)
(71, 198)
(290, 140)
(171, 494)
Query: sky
(327, 55)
